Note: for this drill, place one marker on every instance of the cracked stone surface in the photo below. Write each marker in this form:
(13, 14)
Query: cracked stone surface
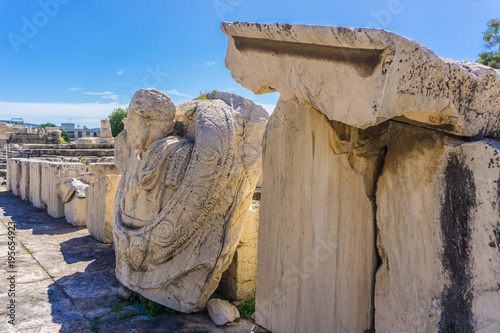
(327, 68)
(65, 281)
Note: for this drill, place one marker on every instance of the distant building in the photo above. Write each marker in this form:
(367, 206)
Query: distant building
(76, 132)
(68, 127)
(15, 122)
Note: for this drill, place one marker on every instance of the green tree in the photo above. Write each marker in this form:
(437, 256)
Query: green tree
(116, 120)
(492, 39)
(65, 136)
(48, 125)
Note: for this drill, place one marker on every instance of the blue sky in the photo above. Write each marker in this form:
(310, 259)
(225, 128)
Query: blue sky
(63, 60)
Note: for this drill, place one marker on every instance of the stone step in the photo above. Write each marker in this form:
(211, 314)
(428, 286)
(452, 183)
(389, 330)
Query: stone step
(64, 152)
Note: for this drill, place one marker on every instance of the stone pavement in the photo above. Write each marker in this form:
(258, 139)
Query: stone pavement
(64, 281)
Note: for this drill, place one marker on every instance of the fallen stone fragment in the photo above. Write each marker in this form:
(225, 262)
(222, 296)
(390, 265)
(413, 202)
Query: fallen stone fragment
(222, 312)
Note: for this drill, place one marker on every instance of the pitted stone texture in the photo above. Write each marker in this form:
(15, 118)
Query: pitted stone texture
(238, 281)
(100, 199)
(316, 253)
(173, 249)
(438, 202)
(328, 67)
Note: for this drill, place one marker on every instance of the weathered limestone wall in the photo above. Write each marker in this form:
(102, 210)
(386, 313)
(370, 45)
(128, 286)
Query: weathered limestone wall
(9, 179)
(40, 180)
(316, 236)
(100, 201)
(239, 281)
(24, 186)
(15, 173)
(439, 237)
(36, 184)
(436, 200)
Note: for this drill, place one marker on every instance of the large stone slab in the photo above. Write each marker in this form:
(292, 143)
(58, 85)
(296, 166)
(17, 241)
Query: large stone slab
(36, 184)
(316, 254)
(183, 195)
(328, 67)
(14, 173)
(438, 213)
(52, 174)
(100, 199)
(72, 193)
(24, 185)
(102, 169)
(239, 281)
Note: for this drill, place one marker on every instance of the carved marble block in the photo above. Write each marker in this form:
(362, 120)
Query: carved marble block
(100, 198)
(185, 188)
(368, 222)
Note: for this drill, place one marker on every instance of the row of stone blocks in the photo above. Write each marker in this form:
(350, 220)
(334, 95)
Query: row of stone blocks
(38, 180)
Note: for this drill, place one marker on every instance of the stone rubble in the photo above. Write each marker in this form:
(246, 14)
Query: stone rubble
(222, 312)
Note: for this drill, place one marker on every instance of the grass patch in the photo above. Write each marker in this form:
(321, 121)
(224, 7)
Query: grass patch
(95, 327)
(152, 308)
(246, 308)
(126, 315)
(203, 97)
(117, 307)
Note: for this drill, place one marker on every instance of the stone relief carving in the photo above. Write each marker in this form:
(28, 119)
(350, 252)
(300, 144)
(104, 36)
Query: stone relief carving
(181, 199)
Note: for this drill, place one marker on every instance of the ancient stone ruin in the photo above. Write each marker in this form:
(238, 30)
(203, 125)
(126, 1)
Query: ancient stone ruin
(381, 197)
(185, 188)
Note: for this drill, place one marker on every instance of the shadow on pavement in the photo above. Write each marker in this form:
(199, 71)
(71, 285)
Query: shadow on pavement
(28, 217)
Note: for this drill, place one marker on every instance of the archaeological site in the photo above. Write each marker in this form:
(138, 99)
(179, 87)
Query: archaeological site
(368, 201)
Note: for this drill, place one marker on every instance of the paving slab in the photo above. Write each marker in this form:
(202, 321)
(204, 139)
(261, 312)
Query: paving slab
(65, 282)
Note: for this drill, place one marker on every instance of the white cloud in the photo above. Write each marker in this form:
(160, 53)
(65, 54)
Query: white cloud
(207, 63)
(105, 94)
(120, 72)
(175, 92)
(75, 88)
(83, 114)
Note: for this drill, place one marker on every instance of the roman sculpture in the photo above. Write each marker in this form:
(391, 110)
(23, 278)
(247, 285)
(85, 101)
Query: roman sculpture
(186, 185)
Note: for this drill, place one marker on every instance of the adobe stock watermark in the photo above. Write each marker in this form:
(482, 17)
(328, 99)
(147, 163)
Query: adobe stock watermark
(224, 6)
(31, 26)
(383, 17)
(153, 78)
